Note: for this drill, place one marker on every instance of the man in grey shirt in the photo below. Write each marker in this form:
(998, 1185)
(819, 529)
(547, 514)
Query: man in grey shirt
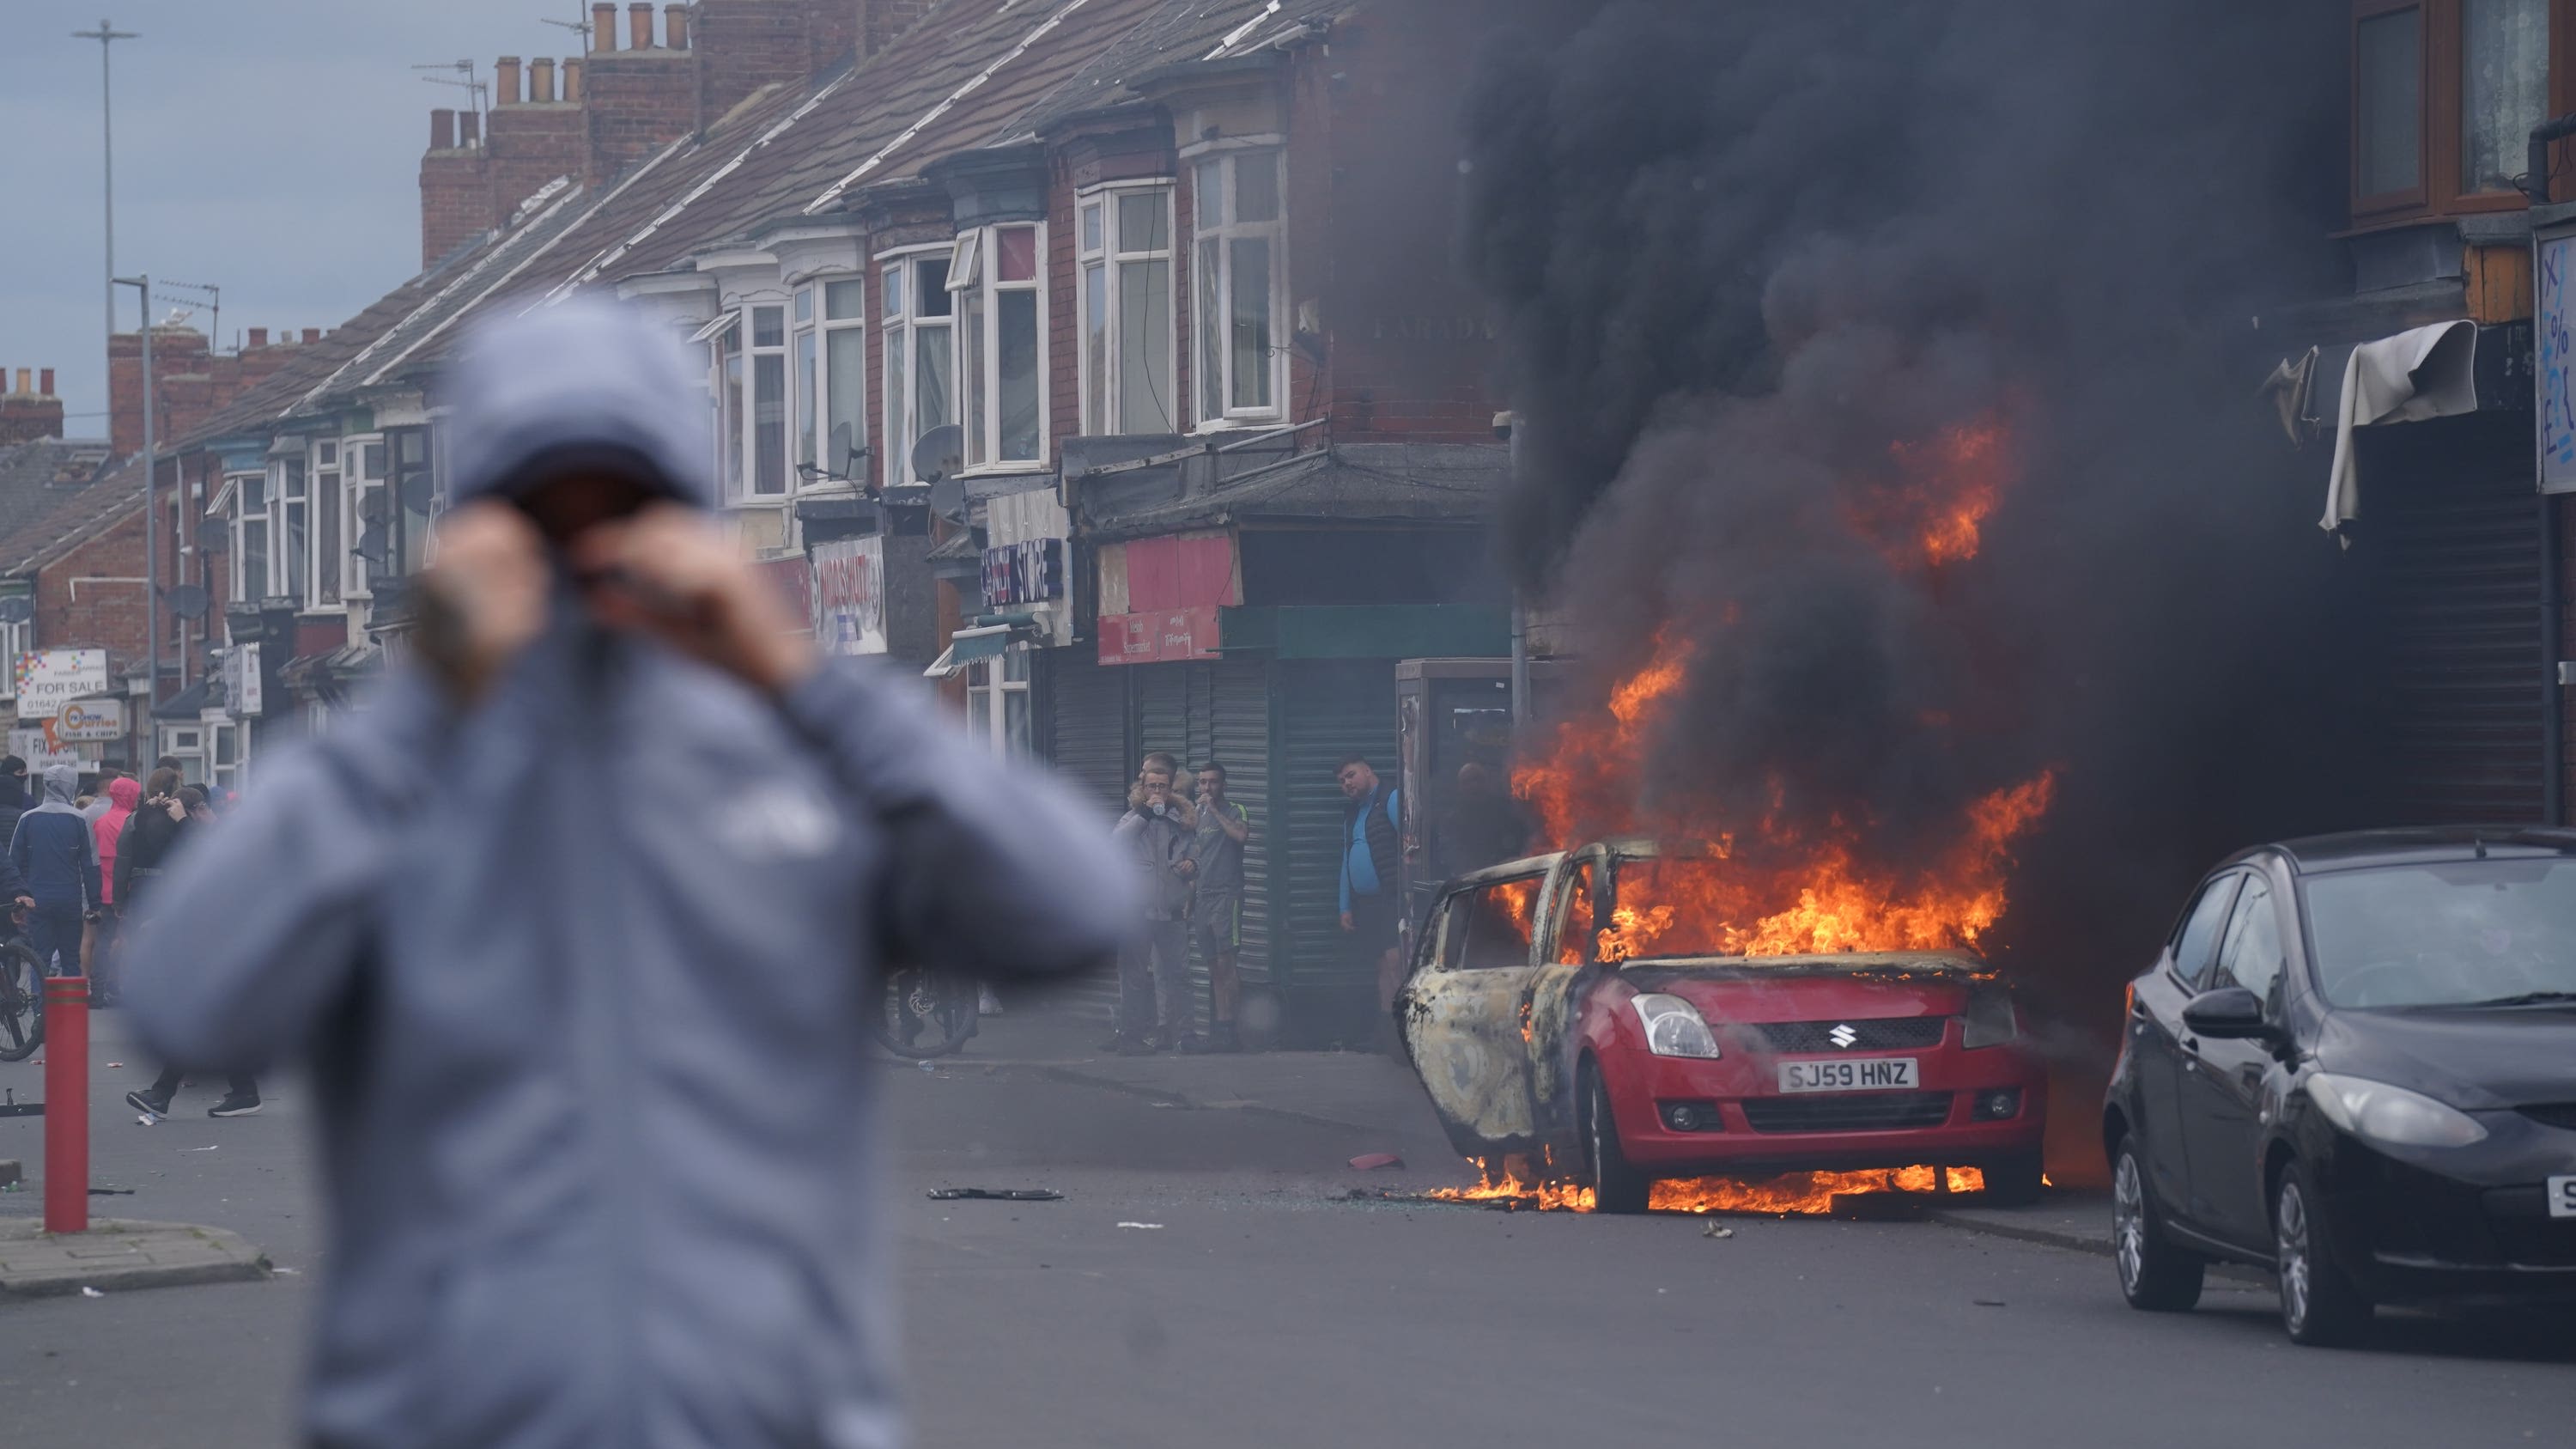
(596, 1089)
(1216, 905)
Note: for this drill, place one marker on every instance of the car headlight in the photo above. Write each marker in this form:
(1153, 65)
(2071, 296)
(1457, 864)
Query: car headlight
(1989, 1019)
(1673, 1026)
(2390, 1115)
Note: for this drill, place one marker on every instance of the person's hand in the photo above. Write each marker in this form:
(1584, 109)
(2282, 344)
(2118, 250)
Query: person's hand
(482, 602)
(669, 574)
(178, 809)
(26, 903)
(1186, 869)
(1347, 923)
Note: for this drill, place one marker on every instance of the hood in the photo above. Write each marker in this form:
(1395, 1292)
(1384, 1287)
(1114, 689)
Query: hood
(585, 384)
(2476, 1059)
(62, 785)
(124, 793)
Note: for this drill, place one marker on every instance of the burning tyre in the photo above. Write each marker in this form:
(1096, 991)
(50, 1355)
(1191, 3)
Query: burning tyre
(1594, 1013)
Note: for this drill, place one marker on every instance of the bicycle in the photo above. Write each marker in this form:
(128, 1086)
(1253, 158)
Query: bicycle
(925, 1013)
(22, 992)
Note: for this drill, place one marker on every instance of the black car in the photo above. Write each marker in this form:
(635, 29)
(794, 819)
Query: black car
(2354, 1062)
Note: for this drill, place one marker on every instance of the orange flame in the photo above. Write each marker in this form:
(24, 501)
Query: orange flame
(1796, 1193)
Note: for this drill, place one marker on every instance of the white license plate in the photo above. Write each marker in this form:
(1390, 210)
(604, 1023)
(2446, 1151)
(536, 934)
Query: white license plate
(1850, 1074)
(2562, 1197)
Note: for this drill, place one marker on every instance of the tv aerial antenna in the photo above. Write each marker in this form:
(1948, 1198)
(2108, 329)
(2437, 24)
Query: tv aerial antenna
(461, 74)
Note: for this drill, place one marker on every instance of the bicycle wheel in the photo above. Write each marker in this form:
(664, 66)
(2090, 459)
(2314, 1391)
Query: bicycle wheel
(22, 1002)
(925, 1013)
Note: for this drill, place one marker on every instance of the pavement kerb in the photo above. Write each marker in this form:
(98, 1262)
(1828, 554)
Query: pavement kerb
(1158, 1094)
(118, 1255)
(1972, 1222)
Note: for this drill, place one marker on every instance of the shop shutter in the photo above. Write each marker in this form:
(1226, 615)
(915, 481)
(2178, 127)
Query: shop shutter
(1162, 709)
(1325, 709)
(1087, 724)
(1238, 737)
(2459, 603)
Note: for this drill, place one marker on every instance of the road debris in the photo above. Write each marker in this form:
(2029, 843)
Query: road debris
(1372, 1161)
(1715, 1230)
(1149, 1227)
(89, 1292)
(209, 1147)
(996, 1194)
(1987, 1302)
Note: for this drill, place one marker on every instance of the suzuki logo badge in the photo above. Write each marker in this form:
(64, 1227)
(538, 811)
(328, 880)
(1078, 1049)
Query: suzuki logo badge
(1842, 1036)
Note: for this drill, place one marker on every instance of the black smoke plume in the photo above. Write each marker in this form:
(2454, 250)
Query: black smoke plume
(1756, 258)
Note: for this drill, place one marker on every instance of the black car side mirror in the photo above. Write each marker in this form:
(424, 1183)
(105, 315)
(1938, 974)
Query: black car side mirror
(2231, 1013)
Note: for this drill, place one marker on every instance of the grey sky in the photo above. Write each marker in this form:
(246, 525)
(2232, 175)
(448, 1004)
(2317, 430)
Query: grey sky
(269, 147)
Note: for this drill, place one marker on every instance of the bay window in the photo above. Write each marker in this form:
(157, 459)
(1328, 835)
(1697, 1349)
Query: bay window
(414, 493)
(729, 410)
(1239, 282)
(919, 366)
(250, 581)
(831, 359)
(809, 376)
(1125, 255)
(2444, 96)
(367, 532)
(330, 546)
(767, 415)
(294, 543)
(1001, 351)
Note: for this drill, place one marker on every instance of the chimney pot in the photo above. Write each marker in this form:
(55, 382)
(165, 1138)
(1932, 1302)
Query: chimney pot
(312, 334)
(675, 26)
(571, 79)
(505, 81)
(541, 80)
(259, 337)
(639, 25)
(603, 26)
(442, 130)
(26, 381)
(469, 129)
(46, 387)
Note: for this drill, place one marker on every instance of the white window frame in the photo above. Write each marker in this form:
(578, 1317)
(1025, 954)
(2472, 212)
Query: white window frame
(818, 324)
(366, 466)
(906, 333)
(290, 547)
(725, 389)
(323, 478)
(1218, 240)
(1100, 271)
(991, 685)
(244, 518)
(16, 638)
(754, 352)
(974, 277)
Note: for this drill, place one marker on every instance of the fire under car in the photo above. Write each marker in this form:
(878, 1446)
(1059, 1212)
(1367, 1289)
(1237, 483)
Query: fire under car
(1570, 1009)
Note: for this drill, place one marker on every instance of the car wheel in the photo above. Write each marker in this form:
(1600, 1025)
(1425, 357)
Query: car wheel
(2014, 1181)
(1616, 1186)
(2155, 1275)
(2320, 1304)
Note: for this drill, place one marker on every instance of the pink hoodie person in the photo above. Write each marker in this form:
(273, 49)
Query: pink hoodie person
(122, 794)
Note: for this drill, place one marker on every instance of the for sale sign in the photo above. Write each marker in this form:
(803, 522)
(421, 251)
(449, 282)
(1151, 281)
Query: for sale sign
(48, 679)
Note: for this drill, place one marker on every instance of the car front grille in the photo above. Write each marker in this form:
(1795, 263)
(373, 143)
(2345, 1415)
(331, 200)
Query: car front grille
(1881, 1034)
(2556, 1114)
(1856, 1112)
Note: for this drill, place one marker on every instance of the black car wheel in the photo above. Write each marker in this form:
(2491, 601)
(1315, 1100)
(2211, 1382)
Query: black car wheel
(1616, 1186)
(2155, 1275)
(2014, 1181)
(2320, 1304)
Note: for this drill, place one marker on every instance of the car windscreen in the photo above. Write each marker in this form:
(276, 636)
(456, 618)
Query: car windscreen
(1677, 905)
(2458, 933)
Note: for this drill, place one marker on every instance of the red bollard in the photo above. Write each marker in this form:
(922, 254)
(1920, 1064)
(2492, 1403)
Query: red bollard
(67, 1104)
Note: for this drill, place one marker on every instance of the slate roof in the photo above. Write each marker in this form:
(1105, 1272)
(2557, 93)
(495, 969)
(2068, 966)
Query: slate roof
(50, 503)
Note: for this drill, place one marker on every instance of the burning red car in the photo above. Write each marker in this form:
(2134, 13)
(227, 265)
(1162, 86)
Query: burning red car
(1597, 1012)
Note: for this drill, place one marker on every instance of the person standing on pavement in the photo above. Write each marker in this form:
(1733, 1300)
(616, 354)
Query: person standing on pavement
(1154, 975)
(1216, 904)
(53, 851)
(123, 794)
(148, 847)
(593, 1062)
(1368, 870)
(14, 796)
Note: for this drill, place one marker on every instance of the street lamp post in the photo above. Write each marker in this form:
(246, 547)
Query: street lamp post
(151, 516)
(107, 35)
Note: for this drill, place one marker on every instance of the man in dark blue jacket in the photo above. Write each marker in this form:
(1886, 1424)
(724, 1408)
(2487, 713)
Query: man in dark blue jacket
(56, 854)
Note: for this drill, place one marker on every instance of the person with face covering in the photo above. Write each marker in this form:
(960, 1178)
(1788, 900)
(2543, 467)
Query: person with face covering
(593, 1063)
(123, 794)
(52, 849)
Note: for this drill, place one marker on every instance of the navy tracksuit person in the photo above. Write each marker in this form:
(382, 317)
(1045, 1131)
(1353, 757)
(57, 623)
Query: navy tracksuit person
(57, 855)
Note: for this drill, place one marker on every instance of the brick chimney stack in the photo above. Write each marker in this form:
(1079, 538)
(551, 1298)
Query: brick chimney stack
(455, 185)
(603, 27)
(258, 338)
(675, 26)
(744, 45)
(637, 100)
(29, 412)
(572, 79)
(469, 129)
(639, 25)
(541, 81)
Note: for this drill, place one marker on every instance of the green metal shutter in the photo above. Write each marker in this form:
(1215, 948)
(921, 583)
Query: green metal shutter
(1162, 710)
(1238, 737)
(1087, 725)
(1323, 709)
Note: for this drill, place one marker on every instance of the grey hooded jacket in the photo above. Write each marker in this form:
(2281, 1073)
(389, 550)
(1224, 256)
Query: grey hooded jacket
(596, 1102)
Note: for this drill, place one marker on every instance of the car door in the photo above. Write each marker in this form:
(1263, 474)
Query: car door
(2155, 1031)
(1563, 969)
(1461, 1010)
(2223, 1081)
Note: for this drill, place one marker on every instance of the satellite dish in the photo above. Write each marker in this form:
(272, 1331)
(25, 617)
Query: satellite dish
(948, 499)
(371, 506)
(214, 535)
(188, 601)
(418, 490)
(842, 455)
(939, 454)
(17, 609)
(371, 544)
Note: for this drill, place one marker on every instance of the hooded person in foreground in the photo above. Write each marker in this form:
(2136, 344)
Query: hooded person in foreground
(596, 1103)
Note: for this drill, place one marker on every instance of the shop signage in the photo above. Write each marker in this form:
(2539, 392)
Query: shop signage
(48, 679)
(242, 681)
(1159, 637)
(1027, 572)
(92, 721)
(2555, 262)
(31, 746)
(849, 595)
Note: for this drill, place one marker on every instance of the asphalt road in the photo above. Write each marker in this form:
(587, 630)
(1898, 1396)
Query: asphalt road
(1269, 1310)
